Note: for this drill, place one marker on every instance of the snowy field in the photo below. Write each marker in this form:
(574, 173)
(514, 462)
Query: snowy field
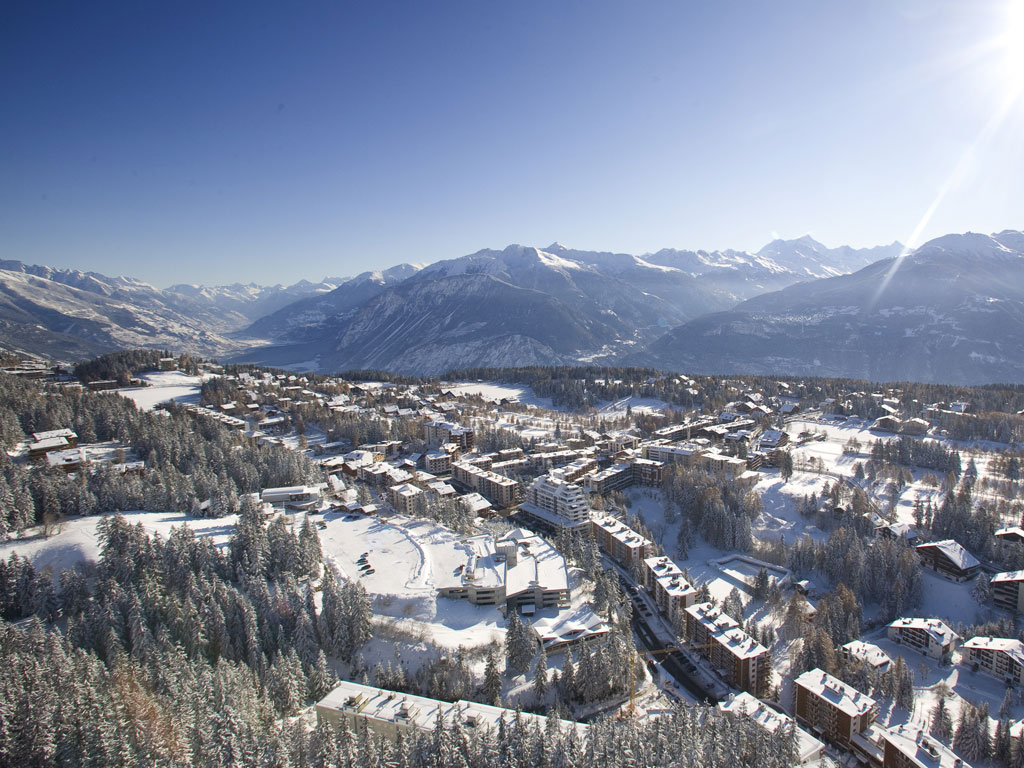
(78, 541)
(163, 387)
(636, 404)
(496, 392)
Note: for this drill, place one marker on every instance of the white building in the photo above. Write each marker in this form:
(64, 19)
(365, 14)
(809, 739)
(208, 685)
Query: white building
(520, 570)
(1000, 657)
(390, 713)
(296, 496)
(560, 498)
(928, 636)
(570, 628)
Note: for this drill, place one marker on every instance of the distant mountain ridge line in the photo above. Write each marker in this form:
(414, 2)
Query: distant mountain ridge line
(793, 306)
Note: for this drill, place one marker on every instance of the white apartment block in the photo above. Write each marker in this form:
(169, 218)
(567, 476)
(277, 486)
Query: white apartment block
(928, 636)
(561, 498)
(1000, 657)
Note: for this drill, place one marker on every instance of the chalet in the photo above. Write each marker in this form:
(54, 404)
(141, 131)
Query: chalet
(867, 653)
(915, 427)
(831, 708)
(69, 460)
(902, 531)
(1008, 591)
(1012, 535)
(928, 636)
(949, 559)
(886, 424)
(1000, 657)
(68, 434)
(38, 449)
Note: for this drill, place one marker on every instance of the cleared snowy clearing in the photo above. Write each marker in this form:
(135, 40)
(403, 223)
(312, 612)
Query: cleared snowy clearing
(497, 392)
(164, 387)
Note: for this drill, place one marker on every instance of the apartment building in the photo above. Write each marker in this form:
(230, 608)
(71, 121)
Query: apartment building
(559, 497)
(1000, 657)
(742, 661)
(672, 593)
(1008, 591)
(830, 707)
(928, 636)
(441, 432)
(500, 490)
(622, 543)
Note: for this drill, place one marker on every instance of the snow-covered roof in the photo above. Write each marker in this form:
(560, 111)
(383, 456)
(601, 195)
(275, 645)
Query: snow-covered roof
(807, 747)
(569, 627)
(538, 564)
(421, 713)
(843, 697)
(953, 550)
(475, 503)
(1010, 646)
(936, 628)
(52, 433)
(1008, 576)
(1013, 530)
(726, 631)
(921, 749)
(869, 653)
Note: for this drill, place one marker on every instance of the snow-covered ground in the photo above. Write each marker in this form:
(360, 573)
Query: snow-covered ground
(163, 387)
(78, 540)
(635, 404)
(496, 392)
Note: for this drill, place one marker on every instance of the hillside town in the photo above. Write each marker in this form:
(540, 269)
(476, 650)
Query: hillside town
(832, 567)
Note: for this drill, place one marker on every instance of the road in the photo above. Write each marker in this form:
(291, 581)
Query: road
(673, 663)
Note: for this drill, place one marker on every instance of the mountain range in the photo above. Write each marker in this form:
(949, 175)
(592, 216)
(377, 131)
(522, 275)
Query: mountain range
(952, 310)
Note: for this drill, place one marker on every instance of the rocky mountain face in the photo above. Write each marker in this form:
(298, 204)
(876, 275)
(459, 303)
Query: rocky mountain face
(290, 321)
(622, 301)
(951, 311)
(69, 314)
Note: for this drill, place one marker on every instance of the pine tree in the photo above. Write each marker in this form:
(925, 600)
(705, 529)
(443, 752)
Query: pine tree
(492, 680)
(941, 723)
(540, 678)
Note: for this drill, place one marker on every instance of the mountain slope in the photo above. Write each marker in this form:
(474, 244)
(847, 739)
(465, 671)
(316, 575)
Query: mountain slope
(621, 300)
(240, 304)
(291, 320)
(69, 314)
(430, 326)
(952, 311)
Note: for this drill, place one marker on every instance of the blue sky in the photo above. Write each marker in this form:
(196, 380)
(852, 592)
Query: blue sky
(221, 142)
